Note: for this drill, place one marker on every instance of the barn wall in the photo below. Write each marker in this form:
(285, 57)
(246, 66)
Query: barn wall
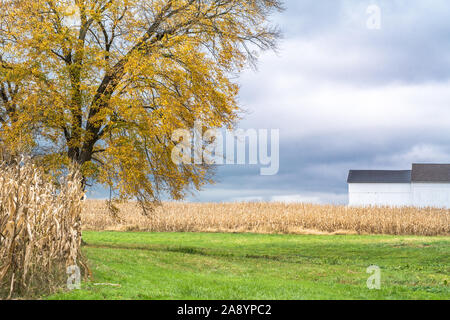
(380, 194)
(431, 195)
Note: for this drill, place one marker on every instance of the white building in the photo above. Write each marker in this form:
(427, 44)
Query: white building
(426, 185)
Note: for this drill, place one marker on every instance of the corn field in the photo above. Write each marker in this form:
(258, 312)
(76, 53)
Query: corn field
(40, 230)
(278, 218)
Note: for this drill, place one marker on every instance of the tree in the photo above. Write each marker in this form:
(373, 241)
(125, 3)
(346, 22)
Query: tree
(104, 83)
(16, 128)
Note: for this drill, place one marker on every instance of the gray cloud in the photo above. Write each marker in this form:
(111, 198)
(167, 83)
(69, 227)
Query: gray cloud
(329, 40)
(346, 97)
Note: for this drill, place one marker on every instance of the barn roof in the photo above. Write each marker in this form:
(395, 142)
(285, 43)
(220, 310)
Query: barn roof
(379, 176)
(431, 173)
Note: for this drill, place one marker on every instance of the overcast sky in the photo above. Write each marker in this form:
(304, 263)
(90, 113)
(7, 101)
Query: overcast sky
(346, 97)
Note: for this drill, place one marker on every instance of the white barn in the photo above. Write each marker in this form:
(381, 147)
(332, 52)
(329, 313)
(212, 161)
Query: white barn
(426, 185)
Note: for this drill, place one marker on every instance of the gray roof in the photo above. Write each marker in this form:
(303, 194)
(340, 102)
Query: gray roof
(431, 173)
(379, 176)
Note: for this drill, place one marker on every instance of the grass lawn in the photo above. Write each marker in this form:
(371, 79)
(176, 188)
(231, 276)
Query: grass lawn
(250, 266)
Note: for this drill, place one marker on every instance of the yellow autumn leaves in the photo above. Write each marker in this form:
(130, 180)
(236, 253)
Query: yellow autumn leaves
(105, 83)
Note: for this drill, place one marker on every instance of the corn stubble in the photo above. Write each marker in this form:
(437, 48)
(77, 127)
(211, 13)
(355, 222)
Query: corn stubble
(276, 218)
(40, 230)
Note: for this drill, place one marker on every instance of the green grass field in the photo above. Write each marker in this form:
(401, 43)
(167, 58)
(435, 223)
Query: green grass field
(250, 266)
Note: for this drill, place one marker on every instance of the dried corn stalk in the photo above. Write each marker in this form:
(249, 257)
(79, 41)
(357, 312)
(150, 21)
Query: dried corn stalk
(40, 230)
(269, 218)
